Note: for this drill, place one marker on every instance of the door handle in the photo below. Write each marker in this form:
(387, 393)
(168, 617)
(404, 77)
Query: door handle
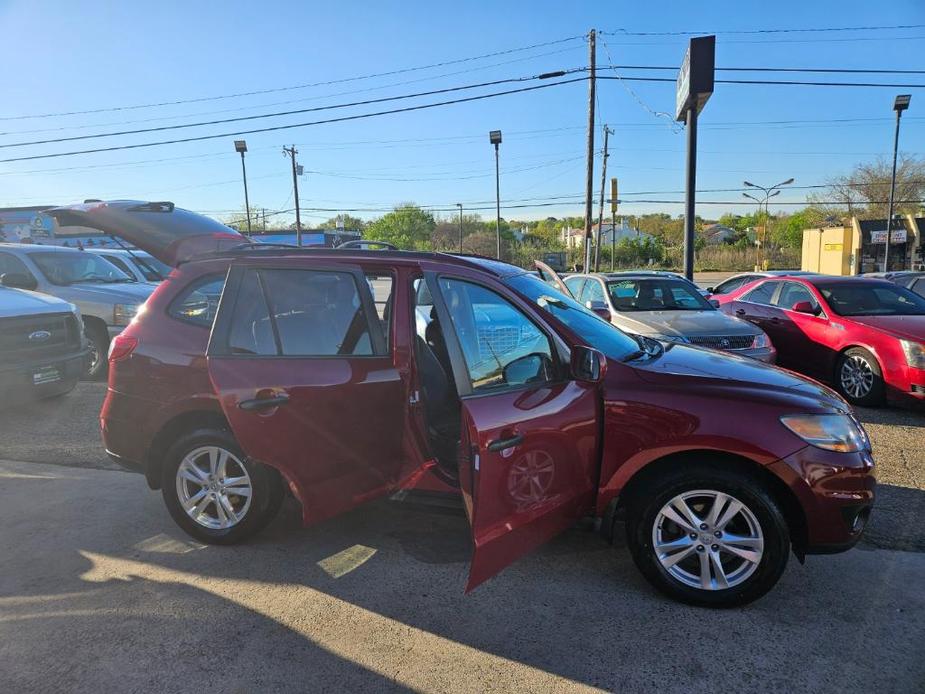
(775, 319)
(740, 311)
(502, 444)
(263, 403)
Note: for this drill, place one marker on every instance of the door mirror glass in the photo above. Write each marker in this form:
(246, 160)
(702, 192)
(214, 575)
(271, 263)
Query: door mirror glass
(805, 307)
(599, 308)
(588, 364)
(529, 368)
(714, 303)
(18, 280)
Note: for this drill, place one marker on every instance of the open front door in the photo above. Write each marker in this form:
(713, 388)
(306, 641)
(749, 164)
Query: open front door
(302, 365)
(551, 277)
(530, 433)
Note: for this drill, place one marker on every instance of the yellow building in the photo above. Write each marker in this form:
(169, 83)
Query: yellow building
(858, 247)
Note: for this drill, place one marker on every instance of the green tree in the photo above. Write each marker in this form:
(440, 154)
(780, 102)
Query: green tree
(238, 220)
(407, 226)
(350, 223)
(788, 232)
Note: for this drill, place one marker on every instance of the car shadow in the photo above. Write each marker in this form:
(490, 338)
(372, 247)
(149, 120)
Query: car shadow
(373, 600)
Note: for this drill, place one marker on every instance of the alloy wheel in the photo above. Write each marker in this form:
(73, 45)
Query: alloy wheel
(857, 378)
(707, 539)
(213, 487)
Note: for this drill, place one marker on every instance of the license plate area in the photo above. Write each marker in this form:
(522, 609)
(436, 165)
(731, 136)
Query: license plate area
(45, 374)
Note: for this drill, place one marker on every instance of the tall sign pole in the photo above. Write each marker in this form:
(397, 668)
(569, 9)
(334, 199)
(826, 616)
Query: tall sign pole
(695, 85)
(600, 214)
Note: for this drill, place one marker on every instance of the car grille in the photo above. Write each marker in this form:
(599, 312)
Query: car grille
(723, 341)
(24, 339)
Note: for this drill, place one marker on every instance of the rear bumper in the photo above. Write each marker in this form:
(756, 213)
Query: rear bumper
(836, 493)
(42, 378)
(123, 425)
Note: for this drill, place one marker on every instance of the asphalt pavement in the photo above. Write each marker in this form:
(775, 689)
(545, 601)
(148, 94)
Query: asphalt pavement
(99, 591)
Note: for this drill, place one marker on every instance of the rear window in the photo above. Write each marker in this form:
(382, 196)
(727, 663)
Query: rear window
(198, 303)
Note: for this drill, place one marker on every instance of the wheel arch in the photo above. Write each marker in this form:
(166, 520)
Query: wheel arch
(649, 473)
(172, 430)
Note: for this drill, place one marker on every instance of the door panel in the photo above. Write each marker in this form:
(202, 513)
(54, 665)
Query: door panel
(523, 495)
(301, 365)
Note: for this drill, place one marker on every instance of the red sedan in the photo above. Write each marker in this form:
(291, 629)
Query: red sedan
(866, 336)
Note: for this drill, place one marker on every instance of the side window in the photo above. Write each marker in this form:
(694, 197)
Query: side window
(732, 284)
(791, 293)
(575, 285)
(502, 347)
(198, 303)
(13, 265)
(251, 330)
(761, 294)
(593, 291)
(919, 286)
(119, 263)
(380, 286)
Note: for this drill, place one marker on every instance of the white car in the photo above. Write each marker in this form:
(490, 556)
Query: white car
(142, 266)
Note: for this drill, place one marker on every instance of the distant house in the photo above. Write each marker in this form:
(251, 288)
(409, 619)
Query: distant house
(572, 238)
(716, 234)
(610, 235)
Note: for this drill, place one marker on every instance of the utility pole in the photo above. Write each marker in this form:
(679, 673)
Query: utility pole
(600, 214)
(613, 222)
(459, 205)
(589, 183)
(291, 152)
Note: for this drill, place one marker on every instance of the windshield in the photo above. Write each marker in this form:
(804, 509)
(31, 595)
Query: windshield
(149, 266)
(72, 268)
(868, 299)
(656, 295)
(600, 334)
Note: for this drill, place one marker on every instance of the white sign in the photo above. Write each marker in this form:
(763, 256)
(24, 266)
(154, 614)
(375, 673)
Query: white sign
(896, 236)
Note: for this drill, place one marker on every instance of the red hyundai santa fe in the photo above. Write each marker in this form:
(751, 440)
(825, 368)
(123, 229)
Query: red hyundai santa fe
(343, 376)
(867, 336)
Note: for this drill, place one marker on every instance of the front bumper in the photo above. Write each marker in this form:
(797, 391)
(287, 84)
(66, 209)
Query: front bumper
(766, 354)
(836, 493)
(43, 378)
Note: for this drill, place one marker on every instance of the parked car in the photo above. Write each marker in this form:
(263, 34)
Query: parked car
(42, 348)
(722, 290)
(108, 298)
(910, 279)
(866, 336)
(718, 464)
(142, 266)
(667, 307)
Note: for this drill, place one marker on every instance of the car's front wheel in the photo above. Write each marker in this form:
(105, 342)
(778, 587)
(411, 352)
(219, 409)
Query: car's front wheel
(859, 378)
(214, 492)
(708, 536)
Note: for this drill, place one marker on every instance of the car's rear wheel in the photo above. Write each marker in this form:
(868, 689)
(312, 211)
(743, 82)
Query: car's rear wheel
(214, 492)
(98, 346)
(708, 536)
(859, 378)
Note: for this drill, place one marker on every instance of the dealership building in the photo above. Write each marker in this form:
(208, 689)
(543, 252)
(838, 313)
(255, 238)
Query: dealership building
(859, 246)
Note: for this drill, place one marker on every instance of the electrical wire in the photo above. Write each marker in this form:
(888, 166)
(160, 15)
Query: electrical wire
(800, 30)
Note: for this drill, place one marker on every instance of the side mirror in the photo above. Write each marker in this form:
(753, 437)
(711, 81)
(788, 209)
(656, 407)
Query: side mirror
(532, 367)
(599, 308)
(588, 365)
(714, 302)
(805, 307)
(18, 280)
(711, 290)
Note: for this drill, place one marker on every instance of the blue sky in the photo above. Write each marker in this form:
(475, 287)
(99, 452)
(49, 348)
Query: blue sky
(65, 56)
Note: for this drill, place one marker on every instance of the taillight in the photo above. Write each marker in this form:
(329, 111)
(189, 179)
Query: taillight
(121, 347)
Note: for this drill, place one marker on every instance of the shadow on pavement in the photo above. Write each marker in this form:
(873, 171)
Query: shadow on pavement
(100, 591)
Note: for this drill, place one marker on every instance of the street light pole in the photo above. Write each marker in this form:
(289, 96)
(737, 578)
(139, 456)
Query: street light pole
(459, 205)
(768, 194)
(291, 152)
(900, 105)
(495, 138)
(241, 146)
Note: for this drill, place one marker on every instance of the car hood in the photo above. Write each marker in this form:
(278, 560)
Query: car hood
(100, 292)
(909, 327)
(170, 234)
(703, 370)
(685, 323)
(19, 302)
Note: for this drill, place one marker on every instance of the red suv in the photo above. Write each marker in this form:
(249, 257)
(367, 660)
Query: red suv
(346, 375)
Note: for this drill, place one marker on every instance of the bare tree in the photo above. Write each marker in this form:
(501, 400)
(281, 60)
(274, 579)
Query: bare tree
(866, 190)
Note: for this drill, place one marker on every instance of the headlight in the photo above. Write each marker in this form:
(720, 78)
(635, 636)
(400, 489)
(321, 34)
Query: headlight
(833, 432)
(761, 341)
(669, 338)
(915, 353)
(122, 314)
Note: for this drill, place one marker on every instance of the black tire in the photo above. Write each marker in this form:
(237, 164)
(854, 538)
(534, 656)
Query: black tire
(266, 485)
(858, 357)
(97, 360)
(643, 513)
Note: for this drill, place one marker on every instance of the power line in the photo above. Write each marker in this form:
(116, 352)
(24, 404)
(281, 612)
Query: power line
(278, 114)
(771, 82)
(798, 30)
(674, 68)
(296, 86)
(274, 128)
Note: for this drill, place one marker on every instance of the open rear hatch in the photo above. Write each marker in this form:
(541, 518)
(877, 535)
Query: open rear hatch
(169, 233)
